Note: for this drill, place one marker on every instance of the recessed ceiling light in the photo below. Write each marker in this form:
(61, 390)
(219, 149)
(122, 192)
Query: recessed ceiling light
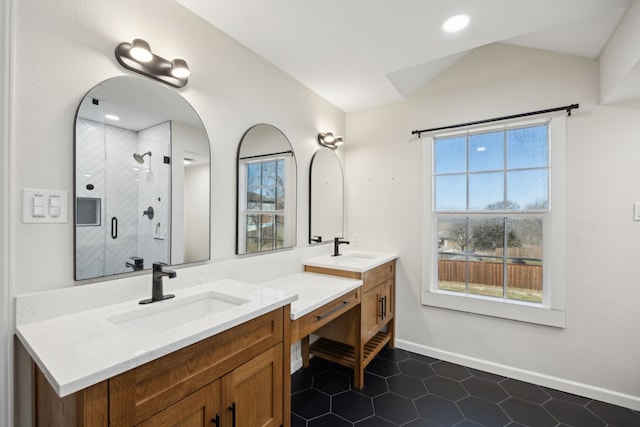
(455, 23)
(111, 117)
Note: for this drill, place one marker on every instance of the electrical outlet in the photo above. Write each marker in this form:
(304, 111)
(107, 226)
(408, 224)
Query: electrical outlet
(355, 240)
(636, 211)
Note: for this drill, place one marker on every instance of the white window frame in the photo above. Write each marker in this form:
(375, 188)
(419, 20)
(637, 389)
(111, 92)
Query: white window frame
(552, 311)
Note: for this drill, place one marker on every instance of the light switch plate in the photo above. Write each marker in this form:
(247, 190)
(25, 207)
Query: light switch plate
(54, 206)
(636, 211)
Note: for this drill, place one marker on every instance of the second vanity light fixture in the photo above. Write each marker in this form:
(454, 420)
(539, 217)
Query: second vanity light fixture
(328, 140)
(137, 56)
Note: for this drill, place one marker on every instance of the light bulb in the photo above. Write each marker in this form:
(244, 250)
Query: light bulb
(140, 50)
(328, 138)
(179, 68)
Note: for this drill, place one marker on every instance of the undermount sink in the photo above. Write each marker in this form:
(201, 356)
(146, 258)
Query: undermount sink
(358, 261)
(358, 255)
(165, 315)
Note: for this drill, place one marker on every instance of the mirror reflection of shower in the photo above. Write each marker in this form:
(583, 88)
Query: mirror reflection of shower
(140, 157)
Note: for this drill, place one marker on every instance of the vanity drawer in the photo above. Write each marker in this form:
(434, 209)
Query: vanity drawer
(378, 275)
(144, 391)
(319, 317)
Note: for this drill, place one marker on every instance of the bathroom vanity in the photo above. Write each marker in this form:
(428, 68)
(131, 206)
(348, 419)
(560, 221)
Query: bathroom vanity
(356, 337)
(215, 354)
(321, 300)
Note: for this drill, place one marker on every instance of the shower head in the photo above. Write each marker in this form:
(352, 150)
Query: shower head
(140, 158)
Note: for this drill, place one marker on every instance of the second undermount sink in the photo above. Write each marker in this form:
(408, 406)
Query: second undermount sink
(358, 261)
(165, 315)
(358, 255)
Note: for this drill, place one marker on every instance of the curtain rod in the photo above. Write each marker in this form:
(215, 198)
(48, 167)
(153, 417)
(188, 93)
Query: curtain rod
(566, 108)
(259, 156)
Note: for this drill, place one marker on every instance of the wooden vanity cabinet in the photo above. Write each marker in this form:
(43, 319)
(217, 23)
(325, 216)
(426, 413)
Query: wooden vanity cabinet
(234, 378)
(247, 396)
(355, 338)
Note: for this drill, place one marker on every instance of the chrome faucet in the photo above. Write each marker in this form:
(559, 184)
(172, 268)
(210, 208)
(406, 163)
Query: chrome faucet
(156, 291)
(336, 245)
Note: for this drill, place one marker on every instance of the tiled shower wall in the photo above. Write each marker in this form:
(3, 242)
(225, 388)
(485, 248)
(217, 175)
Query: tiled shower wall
(154, 190)
(104, 158)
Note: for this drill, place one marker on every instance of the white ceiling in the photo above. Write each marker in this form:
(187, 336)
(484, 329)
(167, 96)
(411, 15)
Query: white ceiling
(363, 53)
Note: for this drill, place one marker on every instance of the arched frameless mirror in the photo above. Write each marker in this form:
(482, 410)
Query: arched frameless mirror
(326, 197)
(266, 208)
(142, 179)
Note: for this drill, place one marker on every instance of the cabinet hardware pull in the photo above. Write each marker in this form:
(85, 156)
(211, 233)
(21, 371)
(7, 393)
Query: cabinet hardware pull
(383, 307)
(329, 313)
(232, 408)
(216, 420)
(114, 227)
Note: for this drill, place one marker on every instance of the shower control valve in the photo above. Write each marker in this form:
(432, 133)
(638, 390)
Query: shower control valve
(148, 212)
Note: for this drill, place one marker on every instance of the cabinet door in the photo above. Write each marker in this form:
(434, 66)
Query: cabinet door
(252, 393)
(196, 410)
(371, 312)
(377, 309)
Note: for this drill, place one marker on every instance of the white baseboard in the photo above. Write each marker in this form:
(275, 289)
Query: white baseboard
(568, 386)
(296, 364)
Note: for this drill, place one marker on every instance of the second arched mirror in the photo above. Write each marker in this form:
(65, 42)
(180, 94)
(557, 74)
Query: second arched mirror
(326, 197)
(266, 206)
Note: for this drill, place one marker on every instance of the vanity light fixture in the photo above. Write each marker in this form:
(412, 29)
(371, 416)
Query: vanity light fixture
(328, 140)
(137, 56)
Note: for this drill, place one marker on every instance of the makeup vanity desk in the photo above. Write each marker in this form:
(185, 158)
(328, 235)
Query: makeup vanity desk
(348, 302)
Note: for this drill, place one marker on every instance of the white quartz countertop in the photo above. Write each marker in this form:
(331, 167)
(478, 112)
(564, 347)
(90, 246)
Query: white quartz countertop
(358, 261)
(313, 289)
(77, 350)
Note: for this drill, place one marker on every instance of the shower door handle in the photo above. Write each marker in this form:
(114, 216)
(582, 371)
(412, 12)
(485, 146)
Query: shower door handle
(114, 227)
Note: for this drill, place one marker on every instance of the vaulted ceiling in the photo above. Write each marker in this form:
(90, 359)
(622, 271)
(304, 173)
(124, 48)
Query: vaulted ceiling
(363, 53)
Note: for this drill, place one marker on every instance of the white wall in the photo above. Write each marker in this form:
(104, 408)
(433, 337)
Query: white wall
(597, 353)
(6, 305)
(63, 49)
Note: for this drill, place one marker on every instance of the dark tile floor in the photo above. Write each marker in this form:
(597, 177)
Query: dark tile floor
(410, 390)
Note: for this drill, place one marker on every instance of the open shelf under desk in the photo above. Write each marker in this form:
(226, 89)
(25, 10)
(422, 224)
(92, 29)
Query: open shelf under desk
(344, 354)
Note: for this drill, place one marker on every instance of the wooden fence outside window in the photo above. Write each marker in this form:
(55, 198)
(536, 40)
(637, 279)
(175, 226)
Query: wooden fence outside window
(521, 276)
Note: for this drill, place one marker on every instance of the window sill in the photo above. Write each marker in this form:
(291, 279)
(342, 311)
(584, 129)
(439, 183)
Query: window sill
(501, 308)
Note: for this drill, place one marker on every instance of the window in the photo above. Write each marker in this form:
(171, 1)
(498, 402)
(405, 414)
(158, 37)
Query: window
(481, 181)
(491, 229)
(264, 215)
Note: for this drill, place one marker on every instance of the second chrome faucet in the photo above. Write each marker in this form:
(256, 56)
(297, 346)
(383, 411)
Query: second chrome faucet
(157, 293)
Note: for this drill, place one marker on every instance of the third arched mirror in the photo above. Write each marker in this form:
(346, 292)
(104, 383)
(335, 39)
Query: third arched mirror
(326, 197)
